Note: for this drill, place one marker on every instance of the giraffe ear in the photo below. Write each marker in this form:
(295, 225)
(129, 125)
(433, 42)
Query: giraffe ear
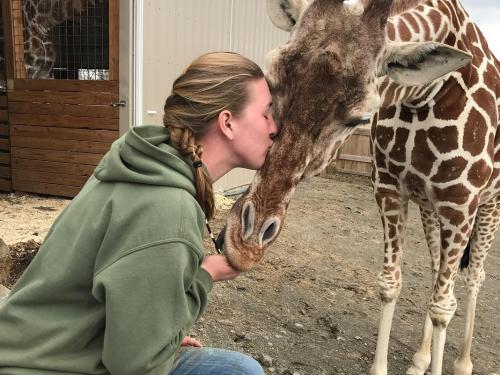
(285, 13)
(414, 64)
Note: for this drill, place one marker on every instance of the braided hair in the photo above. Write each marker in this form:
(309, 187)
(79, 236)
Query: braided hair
(212, 83)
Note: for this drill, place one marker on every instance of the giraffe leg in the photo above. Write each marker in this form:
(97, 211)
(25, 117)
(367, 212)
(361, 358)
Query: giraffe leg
(455, 228)
(430, 223)
(485, 226)
(394, 215)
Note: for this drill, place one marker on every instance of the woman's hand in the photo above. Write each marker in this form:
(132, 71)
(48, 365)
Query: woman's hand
(219, 268)
(189, 341)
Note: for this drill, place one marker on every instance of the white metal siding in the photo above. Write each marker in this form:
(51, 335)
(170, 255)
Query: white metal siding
(177, 31)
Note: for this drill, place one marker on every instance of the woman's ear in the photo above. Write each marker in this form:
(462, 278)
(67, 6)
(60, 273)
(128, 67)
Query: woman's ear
(224, 123)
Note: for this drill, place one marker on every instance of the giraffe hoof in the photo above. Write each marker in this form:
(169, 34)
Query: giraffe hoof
(413, 370)
(462, 368)
(420, 364)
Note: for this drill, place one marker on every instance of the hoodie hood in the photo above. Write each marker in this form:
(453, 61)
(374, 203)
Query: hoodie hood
(144, 156)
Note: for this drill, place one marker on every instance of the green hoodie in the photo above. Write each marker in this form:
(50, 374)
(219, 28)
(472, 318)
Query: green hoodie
(117, 283)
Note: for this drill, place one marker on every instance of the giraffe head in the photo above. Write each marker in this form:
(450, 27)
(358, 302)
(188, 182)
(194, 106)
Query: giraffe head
(324, 83)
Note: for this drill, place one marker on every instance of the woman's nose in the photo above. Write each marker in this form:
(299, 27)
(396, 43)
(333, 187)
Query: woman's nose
(273, 128)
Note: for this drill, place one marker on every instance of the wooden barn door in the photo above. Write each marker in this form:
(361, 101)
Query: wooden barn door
(63, 103)
(5, 171)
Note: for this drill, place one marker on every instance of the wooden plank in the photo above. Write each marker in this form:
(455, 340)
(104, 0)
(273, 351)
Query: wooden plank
(47, 177)
(4, 130)
(360, 158)
(4, 115)
(63, 85)
(5, 158)
(63, 121)
(60, 144)
(362, 131)
(5, 185)
(45, 188)
(62, 97)
(107, 136)
(101, 111)
(56, 155)
(113, 40)
(8, 38)
(3, 101)
(53, 167)
(4, 144)
(5, 171)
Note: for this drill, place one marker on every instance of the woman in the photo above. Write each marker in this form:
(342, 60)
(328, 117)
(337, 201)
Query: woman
(121, 276)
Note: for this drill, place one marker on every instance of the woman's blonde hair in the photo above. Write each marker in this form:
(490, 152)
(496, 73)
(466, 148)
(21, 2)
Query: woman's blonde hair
(212, 83)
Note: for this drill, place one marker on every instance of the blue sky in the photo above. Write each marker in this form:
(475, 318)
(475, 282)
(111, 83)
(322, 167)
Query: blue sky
(486, 14)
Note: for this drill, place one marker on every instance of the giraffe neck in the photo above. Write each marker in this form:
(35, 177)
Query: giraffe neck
(40, 17)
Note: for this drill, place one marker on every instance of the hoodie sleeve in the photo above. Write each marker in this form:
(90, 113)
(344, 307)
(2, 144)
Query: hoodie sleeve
(152, 298)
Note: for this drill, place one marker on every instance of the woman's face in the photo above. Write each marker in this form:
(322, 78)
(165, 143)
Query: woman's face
(254, 127)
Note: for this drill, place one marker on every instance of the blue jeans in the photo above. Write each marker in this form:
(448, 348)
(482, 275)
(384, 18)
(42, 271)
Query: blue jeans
(211, 361)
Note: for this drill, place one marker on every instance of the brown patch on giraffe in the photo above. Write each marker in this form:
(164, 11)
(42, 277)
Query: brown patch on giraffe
(487, 102)
(411, 21)
(415, 183)
(473, 205)
(394, 169)
(475, 133)
(422, 114)
(477, 56)
(435, 19)
(387, 179)
(450, 40)
(394, 258)
(398, 152)
(405, 115)
(473, 77)
(490, 77)
(445, 139)
(425, 25)
(471, 34)
(484, 44)
(387, 113)
(404, 32)
(391, 32)
(379, 158)
(479, 173)
(450, 169)
(383, 136)
(457, 193)
(455, 217)
(392, 218)
(451, 105)
(422, 157)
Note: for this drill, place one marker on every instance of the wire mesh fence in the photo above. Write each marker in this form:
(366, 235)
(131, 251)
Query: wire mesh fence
(66, 39)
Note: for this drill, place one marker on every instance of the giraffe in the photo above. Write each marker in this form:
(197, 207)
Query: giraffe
(438, 145)
(40, 17)
(431, 83)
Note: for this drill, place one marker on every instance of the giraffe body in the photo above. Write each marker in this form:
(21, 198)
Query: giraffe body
(439, 146)
(425, 73)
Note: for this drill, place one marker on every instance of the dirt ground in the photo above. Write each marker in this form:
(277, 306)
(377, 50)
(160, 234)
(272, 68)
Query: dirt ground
(312, 307)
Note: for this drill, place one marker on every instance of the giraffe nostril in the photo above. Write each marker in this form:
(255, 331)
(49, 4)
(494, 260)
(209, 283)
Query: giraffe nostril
(247, 220)
(269, 231)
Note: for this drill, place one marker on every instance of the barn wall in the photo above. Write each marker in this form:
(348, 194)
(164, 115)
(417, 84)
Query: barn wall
(177, 31)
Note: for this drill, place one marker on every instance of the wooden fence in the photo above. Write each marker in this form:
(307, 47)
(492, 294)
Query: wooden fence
(354, 156)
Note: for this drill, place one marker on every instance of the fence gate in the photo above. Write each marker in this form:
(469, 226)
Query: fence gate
(5, 172)
(62, 78)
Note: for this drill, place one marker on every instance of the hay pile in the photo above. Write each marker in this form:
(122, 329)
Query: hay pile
(222, 202)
